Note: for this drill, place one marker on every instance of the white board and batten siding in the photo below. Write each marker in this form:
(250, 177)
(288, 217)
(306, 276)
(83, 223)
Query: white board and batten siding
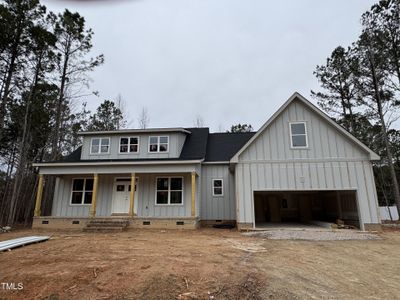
(217, 207)
(389, 213)
(62, 206)
(145, 197)
(332, 161)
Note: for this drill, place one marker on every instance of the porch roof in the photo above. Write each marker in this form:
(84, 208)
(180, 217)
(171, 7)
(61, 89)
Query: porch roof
(120, 167)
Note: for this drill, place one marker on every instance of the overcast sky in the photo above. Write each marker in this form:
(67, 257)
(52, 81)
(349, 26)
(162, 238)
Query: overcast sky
(229, 61)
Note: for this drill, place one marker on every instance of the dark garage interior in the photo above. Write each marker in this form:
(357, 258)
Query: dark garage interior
(306, 207)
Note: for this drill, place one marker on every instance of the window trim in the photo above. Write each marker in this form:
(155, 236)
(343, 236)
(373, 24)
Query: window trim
(129, 144)
(169, 191)
(222, 187)
(100, 153)
(83, 192)
(291, 135)
(158, 144)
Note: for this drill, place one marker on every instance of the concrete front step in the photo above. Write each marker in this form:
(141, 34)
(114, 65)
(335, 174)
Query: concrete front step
(105, 225)
(109, 221)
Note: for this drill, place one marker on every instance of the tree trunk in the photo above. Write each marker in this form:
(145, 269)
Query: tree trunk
(10, 73)
(10, 168)
(351, 117)
(55, 149)
(57, 129)
(395, 183)
(23, 147)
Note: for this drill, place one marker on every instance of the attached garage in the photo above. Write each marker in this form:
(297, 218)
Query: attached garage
(298, 165)
(306, 207)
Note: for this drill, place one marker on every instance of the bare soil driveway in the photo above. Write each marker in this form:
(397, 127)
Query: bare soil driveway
(202, 264)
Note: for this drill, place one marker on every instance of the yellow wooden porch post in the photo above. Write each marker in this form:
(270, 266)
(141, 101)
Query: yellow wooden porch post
(92, 212)
(132, 195)
(39, 195)
(193, 194)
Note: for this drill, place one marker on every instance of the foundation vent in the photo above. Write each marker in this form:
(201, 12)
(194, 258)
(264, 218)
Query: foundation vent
(45, 222)
(75, 222)
(180, 223)
(146, 222)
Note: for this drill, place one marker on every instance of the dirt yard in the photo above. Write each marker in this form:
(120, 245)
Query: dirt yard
(203, 264)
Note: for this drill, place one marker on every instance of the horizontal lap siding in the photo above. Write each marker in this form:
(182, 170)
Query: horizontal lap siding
(217, 208)
(331, 162)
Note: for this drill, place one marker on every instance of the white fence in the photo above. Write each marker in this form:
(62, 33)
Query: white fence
(384, 210)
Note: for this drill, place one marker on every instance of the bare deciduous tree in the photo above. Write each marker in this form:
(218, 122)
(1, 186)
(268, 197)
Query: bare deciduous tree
(121, 105)
(144, 119)
(199, 122)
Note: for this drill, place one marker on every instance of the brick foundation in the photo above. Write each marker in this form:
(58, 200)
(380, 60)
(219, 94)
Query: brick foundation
(244, 226)
(372, 227)
(57, 223)
(61, 223)
(164, 223)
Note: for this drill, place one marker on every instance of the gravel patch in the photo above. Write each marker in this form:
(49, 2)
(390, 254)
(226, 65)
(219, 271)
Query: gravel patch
(311, 235)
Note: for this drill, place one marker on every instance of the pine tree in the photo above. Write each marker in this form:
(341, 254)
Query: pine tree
(238, 128)
(17, 17)
(107, 117)
(376, 92)
(74, 43)
(338, 77)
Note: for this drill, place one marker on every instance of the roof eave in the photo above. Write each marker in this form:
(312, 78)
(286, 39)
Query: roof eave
(129, 131)
(374, 156)
(117, 163)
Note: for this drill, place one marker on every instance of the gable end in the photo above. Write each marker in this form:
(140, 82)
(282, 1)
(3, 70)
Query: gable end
(326, 139)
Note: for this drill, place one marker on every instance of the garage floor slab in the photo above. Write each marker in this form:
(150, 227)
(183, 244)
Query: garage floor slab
(289, 226)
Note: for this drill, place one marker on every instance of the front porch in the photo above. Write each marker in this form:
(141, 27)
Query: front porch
(158, 199)
(71, 223)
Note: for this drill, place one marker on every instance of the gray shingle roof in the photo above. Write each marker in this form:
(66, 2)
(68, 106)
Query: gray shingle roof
(223, 146)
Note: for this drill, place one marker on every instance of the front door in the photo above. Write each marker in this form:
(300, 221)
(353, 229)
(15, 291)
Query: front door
(121, 195)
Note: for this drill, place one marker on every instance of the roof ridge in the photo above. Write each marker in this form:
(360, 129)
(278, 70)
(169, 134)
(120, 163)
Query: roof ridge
(227, 133)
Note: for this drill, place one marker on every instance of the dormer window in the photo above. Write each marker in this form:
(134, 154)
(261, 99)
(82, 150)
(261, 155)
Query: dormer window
(298, 135)
(158, 143)
(100, 146)
(129, 145)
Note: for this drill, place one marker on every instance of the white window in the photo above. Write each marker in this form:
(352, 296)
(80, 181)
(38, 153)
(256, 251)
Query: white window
(298, 135)
(100, 145)
(129, 145)
(169, 190)
(82, 189)
(158, 143)
(218, 187)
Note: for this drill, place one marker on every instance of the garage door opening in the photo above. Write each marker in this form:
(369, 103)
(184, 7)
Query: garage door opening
(309, 207)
